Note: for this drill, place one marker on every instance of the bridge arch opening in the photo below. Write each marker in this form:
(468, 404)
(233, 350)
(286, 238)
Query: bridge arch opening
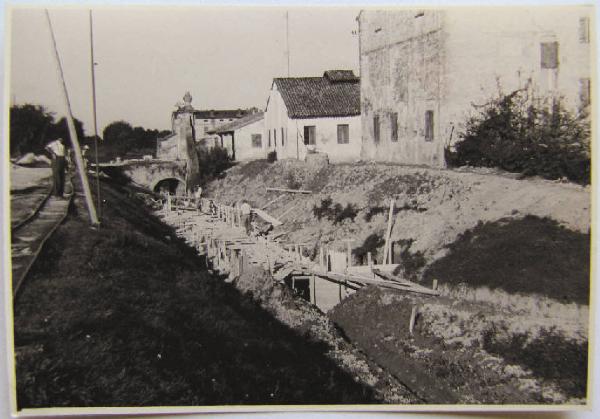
(171, 185)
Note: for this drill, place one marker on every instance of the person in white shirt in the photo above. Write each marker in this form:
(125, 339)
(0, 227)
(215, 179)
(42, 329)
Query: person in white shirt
(246, 211)
(57, 151)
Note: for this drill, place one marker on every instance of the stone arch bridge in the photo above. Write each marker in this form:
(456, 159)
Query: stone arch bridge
(154, 175)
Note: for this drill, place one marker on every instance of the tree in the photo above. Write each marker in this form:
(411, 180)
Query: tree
(117, 132)
(29, 128)
(61, 130)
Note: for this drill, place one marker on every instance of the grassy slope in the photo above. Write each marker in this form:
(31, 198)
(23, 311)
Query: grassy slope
(123, 317)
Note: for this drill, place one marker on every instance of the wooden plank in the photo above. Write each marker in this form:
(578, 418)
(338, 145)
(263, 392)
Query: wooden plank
(268, 218)
(389, 232)
(273, 201)
(405, 282)
(289, 190)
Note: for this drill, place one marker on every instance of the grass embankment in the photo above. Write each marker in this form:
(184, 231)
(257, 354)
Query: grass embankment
(127, 316)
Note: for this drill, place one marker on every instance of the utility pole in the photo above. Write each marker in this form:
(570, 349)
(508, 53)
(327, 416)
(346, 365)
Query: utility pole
(72, 132)
(93, 64)
(287, 39)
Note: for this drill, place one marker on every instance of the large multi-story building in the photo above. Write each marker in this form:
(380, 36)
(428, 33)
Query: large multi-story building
(422, 70)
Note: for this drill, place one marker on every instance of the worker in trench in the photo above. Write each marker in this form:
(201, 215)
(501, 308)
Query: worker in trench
(57, 151)
(246, 211)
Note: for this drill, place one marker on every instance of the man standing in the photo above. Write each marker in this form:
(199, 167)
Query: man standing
(57, 152)
(246, 211)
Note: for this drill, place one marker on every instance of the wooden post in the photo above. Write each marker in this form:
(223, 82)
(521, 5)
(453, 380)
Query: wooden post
(340, 292)
(73, 134)
(370, 260)
(390, 258)
(314, 290)
(413, 317)
(435, 284)
(348, 254)
(321, 255)
(389, 231)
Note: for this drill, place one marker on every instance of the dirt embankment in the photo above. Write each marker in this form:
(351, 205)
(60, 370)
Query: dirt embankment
(512, 258)
(126, 315)
(432, 206)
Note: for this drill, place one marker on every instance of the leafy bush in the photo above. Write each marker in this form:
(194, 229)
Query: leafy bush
(372, 243)
(518, 132)
(272, 156)
(336, 213)
(212, 163)
(410, 263)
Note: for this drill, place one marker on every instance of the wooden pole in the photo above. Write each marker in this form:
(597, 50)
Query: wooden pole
(98, 200)
(413, 317)
(389, 232)
(73, 133)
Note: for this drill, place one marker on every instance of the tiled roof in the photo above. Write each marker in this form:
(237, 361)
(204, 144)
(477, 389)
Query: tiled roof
(239, 123)
(337, 93)
(220, 113)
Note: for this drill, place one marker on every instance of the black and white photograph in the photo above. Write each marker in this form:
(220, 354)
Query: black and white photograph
(257, 208)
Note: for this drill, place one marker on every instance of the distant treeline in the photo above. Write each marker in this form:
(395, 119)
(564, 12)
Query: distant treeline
(33, 126)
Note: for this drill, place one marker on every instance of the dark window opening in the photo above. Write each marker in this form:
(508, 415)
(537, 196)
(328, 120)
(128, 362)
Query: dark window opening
(428, 125)
(584, 30)
(376, 128)
(394, 126)
(282, 137)
(269, 138)
(310, 135)
(343, 134)
(549, 55)
(275, 137)
(257, 140)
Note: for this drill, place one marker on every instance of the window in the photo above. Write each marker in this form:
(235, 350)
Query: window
(343, 133)
(394, 126)
(549, 54)
(584, 30)
(275, 137)
(428, 125)
(376, 128)
(584, 92)
(269, 138)
(256, 140)
(310, 135)
(282, 138)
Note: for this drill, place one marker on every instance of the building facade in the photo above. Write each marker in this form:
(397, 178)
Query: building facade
(422, 70)
(243, 138)
(314, 114)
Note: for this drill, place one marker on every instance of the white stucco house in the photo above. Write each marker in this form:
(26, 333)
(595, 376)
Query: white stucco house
(321, 114)
(243, 138)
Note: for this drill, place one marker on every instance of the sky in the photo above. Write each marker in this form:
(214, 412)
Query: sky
(148, 57)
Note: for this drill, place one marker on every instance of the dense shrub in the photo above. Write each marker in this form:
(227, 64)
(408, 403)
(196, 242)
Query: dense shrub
(372, 244)
(336, 213)
(410, 264)
(520, 133)
(212, 163)
(272, 156)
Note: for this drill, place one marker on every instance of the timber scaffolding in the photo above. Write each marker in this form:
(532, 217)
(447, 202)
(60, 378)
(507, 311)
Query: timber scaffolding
(215, 230)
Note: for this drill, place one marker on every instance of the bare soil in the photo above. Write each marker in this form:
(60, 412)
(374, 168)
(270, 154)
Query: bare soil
(511, 256)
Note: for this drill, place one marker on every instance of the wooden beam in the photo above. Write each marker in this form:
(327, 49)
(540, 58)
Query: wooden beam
(289, 190)
(273, 201)
(404, 282)
(262, 214)
(389, 232)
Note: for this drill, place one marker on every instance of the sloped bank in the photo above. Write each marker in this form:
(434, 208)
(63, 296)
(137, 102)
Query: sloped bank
(315, 327)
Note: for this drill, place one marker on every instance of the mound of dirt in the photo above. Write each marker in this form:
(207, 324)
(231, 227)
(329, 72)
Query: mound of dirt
(433, 207)
(530, 255)
(462, 352)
